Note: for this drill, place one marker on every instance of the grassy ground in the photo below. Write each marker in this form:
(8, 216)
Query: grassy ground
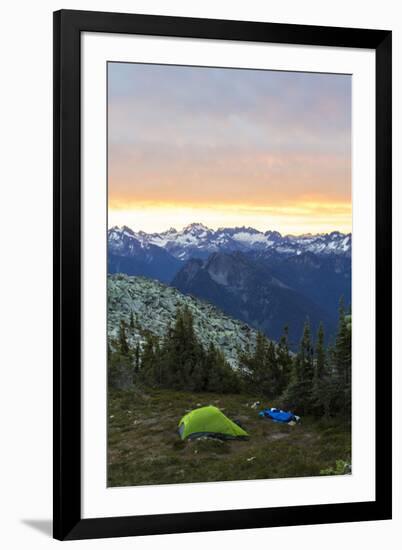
(144, 447)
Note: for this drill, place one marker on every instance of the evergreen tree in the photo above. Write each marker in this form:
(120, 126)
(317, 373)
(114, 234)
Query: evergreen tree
(182, 354)
(304, 363)
(220, 376)
(131, 321)
(320, 394)
(199, 377)
(181, 351)
(212, 371)
(284, 360)
(272, 374)
(123, 344)
(181, 362)
(329, 386)
(343, 360)
(262, 370)
(254, 363)
(151, 368)
(192, 353)
(137, 358)
(299, 394)
(320, 354)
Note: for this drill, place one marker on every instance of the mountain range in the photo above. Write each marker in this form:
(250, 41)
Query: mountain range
(261, 278)
(198, 241)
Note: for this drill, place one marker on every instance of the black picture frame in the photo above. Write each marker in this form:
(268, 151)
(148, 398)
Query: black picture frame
(68, 26)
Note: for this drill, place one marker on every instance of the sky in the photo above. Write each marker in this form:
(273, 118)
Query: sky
(227, 148)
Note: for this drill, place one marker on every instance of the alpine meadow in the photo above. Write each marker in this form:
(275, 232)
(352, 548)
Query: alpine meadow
(229, 284)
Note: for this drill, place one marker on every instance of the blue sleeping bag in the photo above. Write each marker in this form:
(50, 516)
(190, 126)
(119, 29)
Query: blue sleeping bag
(278, 416)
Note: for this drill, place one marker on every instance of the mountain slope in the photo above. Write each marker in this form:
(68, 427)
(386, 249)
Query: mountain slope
(126, 254)
(154, 307)
(248, 290)
(321, 278)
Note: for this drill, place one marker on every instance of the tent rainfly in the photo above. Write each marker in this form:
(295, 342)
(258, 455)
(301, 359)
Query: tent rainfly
(209, 421)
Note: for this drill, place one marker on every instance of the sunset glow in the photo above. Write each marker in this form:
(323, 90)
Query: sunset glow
(228, 147)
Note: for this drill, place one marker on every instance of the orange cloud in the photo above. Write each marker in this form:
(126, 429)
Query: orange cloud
(274, 179)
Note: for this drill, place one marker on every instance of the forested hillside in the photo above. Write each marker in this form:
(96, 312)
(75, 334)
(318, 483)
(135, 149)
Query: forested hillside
(161, 339)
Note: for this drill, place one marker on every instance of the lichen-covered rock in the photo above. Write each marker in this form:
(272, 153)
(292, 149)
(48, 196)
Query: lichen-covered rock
(154, 306)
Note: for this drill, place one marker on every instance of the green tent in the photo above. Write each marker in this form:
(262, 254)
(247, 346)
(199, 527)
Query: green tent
(209, 421)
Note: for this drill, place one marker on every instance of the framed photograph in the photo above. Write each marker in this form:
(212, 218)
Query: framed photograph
(222, 274)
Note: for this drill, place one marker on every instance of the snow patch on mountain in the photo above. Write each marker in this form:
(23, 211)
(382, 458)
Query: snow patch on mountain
(198, 241)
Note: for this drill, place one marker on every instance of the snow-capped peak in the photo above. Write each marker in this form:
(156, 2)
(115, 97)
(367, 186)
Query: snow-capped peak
(196, 228)
(196, 240)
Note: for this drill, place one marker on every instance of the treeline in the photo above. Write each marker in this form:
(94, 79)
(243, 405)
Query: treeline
(178, 361)
(314, 381)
